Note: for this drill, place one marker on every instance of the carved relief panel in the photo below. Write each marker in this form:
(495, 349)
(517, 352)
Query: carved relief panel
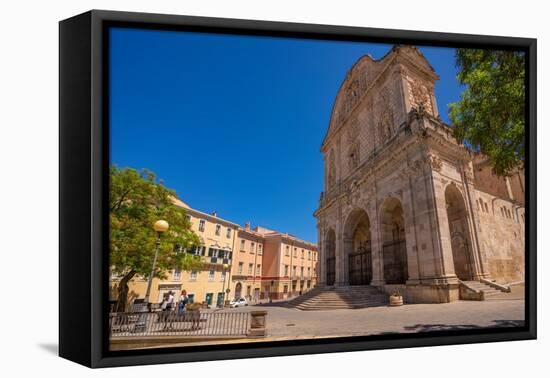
(420, 96)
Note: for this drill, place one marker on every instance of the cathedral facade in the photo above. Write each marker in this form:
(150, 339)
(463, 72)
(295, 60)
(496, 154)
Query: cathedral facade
(405, 207)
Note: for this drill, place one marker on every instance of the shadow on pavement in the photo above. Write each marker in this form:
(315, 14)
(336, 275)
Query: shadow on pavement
(272, 304)
(459, 327)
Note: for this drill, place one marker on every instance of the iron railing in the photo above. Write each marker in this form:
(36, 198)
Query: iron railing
(395, 262)
(360, 267)
(170, 323)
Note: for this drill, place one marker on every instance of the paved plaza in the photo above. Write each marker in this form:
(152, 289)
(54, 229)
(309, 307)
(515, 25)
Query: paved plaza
(503, 310)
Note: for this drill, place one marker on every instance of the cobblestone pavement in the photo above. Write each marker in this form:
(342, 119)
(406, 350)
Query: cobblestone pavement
(504, 310)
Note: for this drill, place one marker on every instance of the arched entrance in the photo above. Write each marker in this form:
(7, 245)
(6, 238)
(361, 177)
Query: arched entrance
(460, 236)
(357, 248)
(330, 252)
(394, 247)
(238, 290)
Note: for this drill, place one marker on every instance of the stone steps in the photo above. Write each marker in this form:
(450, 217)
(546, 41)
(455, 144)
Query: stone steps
(333, 298)
(488, 291)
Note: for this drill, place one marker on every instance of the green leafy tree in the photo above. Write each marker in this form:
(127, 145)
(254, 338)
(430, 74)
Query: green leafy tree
(490, 116)
(136, 201)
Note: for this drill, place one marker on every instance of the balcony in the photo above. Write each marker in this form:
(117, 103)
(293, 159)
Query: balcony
(217, 260)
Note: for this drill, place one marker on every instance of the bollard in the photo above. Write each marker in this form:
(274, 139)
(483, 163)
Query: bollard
(258, 324)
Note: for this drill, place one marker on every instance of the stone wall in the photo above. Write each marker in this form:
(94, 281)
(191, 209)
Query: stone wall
(502, 237)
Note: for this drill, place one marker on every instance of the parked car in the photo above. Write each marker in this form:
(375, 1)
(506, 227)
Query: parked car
(241, 302)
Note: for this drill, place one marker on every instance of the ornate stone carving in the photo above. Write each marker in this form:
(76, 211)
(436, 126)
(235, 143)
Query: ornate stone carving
(404, 174)
(468, 174)
(416, 167)
(435, 162)
(419, 96)
(420, 93)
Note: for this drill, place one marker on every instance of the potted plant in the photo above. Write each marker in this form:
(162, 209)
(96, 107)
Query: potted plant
(396, 299)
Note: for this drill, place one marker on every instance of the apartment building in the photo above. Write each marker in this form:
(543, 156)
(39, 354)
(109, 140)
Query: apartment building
(238, 262)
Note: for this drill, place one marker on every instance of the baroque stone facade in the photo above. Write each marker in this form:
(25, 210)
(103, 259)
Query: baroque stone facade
(406, 207)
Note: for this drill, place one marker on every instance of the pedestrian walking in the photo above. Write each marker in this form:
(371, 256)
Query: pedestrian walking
(164, 303)
(183, 301)
(170, 301)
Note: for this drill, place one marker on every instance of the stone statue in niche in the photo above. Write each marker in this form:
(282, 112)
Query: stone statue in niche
(353, 131)
(331, 180)
(386, 125)
(353, 156)
(354, 88)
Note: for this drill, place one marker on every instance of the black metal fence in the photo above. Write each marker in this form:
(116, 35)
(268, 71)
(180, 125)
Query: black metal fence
(170, 323)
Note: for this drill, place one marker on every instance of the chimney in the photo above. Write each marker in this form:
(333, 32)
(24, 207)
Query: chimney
(215, 213)
(247, 226)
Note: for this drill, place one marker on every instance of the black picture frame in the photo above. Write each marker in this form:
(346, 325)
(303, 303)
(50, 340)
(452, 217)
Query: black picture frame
(83, 180)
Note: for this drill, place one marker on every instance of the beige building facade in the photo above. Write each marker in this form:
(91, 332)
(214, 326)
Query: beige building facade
(218, 240)
(405, 206)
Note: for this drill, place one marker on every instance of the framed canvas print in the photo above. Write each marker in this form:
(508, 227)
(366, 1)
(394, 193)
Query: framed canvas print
(234, 188)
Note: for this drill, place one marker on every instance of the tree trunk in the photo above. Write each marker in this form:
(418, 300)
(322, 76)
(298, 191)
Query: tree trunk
(123, 291)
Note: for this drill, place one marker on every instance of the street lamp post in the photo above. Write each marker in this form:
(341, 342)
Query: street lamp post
(160, 227)
(224, 272)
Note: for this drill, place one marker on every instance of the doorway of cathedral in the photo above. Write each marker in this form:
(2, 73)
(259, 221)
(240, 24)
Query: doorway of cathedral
(357, 247)
(394, 246)
(460, 237)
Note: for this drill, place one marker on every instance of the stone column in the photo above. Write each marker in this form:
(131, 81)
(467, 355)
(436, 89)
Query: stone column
(376, 246)
(339, 251)
(347, 246)
(409, 213)
(321, 257)
(480, 258)
(442, 231)
(433, 238)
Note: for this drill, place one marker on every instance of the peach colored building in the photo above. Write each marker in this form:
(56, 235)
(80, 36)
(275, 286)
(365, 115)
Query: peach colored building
(247, 268)
(290, 265)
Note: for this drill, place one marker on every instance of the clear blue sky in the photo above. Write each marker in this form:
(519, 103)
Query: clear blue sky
(235, 123)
